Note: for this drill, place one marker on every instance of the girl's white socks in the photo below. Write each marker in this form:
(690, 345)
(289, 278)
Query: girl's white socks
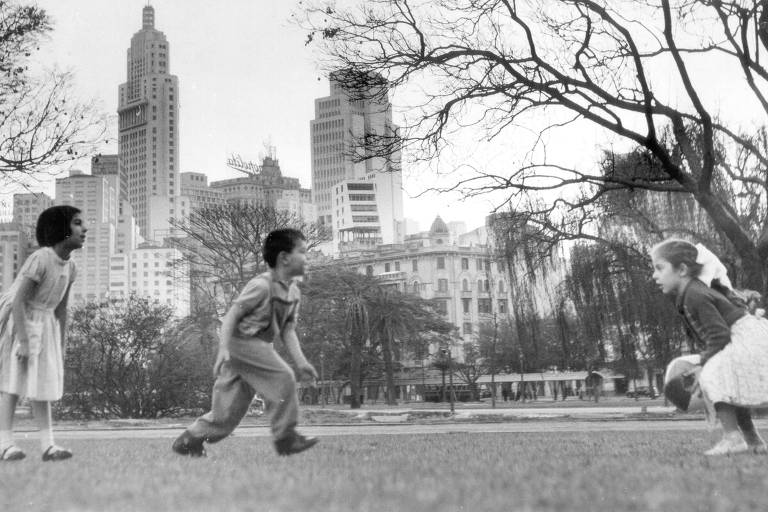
(6, 439)
(46, 438)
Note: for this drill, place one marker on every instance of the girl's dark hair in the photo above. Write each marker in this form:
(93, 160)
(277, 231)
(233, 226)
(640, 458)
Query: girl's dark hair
(678, 252)
(278, 241)
(53, 225)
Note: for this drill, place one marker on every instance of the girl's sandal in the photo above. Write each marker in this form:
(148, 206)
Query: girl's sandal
(13, 452)
(54, 453)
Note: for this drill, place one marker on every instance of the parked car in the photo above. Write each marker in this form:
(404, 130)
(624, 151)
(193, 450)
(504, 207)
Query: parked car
(640, 391)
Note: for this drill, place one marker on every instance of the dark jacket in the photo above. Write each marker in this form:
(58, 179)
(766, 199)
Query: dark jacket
(709, 315)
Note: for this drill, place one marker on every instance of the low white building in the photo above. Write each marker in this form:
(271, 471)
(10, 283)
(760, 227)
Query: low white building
(158, 273)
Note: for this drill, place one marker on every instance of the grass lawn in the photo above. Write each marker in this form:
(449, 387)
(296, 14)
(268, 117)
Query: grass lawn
(609, 471)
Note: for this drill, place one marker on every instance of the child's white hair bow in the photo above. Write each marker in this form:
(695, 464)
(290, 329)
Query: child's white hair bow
(712, 268)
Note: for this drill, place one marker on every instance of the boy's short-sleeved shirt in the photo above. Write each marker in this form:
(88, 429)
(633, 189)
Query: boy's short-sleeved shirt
(270, 305)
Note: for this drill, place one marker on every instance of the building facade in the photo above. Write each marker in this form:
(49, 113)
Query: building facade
(158, 273)
(95, 197)
(13, 252)
(26, 209)
(343, 121)
(194, 186)
(148, 130)
(267, 187)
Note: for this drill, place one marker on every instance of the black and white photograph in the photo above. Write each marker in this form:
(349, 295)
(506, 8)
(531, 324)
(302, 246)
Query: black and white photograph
(383, 255)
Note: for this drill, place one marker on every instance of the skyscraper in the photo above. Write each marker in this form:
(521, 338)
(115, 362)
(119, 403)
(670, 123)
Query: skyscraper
(342, 121)
(148, 141)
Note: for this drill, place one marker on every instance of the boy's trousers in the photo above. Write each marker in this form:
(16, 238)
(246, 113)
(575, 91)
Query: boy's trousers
(253, 367)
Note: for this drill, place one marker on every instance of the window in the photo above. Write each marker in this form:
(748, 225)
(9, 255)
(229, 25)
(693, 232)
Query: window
(464, 263)
(487, 265)
(479, 264)
(466, 305)
(502, 305)
(442, 307)
(465, 285)
(467, 328)
(479, 285)
(386, 267)
(416, 287)
(484, 306)
(397, 266)
(440, 262)
(501, 286)
(415, 264)
(369, 270)
(442, 285)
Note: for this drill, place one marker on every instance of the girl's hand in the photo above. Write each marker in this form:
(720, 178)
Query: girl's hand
(22, 350)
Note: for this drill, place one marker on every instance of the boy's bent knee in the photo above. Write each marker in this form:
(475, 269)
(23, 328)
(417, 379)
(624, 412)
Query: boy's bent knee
(286, 382)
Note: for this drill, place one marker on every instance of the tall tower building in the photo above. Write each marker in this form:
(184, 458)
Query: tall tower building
(148, 136)
(342, 120)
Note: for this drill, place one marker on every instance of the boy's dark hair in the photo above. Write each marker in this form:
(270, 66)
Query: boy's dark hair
(53, 225)
(278, 241)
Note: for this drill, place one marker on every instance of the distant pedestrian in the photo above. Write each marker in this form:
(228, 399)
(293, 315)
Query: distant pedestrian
(33, 320)
(247, 362)
(733, 343)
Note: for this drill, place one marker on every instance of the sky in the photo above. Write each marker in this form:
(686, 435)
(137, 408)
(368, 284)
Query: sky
(246, 81)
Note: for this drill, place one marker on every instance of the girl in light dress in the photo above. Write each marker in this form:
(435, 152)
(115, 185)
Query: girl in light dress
(734, 343)
(33, 319)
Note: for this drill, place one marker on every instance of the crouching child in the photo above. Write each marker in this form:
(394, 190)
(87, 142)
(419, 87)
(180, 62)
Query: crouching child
(247, 361)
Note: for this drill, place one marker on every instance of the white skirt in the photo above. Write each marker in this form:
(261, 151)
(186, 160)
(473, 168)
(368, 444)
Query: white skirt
(41, 376)
(738, 374)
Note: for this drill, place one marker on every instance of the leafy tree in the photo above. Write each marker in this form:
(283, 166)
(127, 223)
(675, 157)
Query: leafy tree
(631, 70)
(363, 329)
(41, 123)
(130, 360)
(472, 368)
(343, 298)
(402, 324)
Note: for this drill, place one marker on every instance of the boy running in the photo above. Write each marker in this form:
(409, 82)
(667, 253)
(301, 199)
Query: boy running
(247, 362)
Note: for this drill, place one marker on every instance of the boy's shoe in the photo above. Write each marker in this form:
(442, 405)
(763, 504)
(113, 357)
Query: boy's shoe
(187, 444)
(54, 453)
(731, 444)
(13, 452)
(755, 443)
(294, 443)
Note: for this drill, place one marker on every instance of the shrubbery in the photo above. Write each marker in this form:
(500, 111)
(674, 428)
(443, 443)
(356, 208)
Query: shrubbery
(132, 359)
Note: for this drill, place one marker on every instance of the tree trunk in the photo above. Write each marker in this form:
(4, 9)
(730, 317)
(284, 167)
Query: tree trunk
(355, 361)
(389, 367)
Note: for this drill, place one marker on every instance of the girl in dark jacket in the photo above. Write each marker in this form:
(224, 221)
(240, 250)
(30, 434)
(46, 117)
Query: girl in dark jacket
(734, 343)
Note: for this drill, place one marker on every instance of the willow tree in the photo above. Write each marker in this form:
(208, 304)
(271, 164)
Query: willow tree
(533, 272)
(638, 73)
(629, 323)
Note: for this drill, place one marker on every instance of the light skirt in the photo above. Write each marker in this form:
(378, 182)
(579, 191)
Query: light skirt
(41, 377)
(738, 374)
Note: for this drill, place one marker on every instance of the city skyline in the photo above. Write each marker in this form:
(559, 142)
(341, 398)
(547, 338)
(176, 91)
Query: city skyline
(225, 82)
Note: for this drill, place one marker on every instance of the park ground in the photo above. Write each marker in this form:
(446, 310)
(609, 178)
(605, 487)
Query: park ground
(398, 459)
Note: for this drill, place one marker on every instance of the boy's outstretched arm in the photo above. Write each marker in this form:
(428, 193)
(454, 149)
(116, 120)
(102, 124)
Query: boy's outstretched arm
(305, 369)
